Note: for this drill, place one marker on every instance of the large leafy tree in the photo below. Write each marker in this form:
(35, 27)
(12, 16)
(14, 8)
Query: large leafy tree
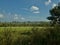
(55, 15)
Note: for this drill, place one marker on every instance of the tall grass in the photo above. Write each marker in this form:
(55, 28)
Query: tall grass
(35, 36)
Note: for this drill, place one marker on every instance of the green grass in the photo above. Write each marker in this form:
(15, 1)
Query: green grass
(20, 28)
(32, 35)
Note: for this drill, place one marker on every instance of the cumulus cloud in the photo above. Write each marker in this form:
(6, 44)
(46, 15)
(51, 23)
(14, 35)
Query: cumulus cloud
(35, 9)
(54, 5)
(1, 15)
(48, 2)
(32, 8)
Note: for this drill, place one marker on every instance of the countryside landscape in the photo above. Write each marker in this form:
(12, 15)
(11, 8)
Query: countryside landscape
(29, 22)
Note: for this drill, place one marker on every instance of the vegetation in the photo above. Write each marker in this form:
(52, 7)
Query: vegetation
(20, 24)
(33, 36)
(32, 33)
(55, 15)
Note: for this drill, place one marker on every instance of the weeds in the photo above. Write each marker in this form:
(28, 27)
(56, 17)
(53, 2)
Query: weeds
(36, 36)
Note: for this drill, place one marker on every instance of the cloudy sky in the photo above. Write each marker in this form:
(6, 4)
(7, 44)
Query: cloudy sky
(26, 10)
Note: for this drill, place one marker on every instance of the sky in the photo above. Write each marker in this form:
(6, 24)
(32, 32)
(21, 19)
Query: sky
(26, 10)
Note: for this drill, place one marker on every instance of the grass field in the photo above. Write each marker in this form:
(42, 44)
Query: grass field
(19, 28)
(29, 35)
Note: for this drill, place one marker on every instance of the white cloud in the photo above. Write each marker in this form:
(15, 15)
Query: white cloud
(54, 5)
(48, 2)
(1, 15)
(34, 8)
(18, 17)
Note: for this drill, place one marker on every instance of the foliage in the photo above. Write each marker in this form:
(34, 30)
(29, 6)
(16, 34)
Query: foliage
(55, 15)
(20, 24)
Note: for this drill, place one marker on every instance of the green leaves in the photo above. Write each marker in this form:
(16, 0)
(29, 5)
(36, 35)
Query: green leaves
(51, 18)
(55, 15)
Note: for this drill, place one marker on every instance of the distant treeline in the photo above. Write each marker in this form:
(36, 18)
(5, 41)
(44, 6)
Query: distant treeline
(6, 24)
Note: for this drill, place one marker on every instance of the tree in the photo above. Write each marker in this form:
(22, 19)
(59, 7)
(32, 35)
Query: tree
(55, 15)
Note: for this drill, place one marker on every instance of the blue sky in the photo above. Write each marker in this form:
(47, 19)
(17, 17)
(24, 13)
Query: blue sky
(26, 10)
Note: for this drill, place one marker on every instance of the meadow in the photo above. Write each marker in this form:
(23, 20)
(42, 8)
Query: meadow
(20, 28)
(29, 35)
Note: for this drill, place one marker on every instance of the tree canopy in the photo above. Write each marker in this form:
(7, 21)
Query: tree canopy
(55, 15)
